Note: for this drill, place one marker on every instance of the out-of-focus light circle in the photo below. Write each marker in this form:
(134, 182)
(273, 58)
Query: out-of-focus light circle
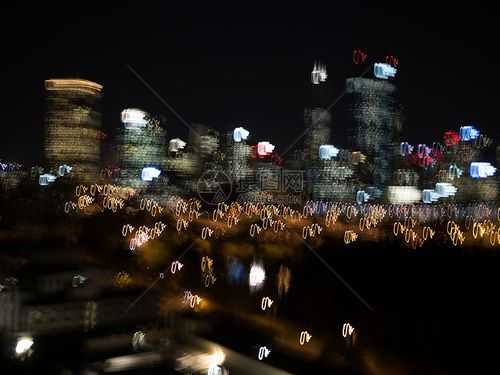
(23, 345)
(257, 276)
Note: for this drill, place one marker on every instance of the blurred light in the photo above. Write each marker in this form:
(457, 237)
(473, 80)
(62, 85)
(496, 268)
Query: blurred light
(263, 353)
(451, 138)
(235, 271)
(405, 149)
(347, 330)
(481, 170)
(149, 173)
(217, 358)
(266, 303)
(46, 179)
(257, 276)
(240, 134)
(403, 194)
(23, 345)
(304, 338)
(78, 280)
(430, 196)
(318, 74)
(362, 197)
(326, 152)
(264, 148)
(384, 71)
(73, 85)
(445, 189)
(138, 340)
(468, 133)
(134, 118)
(64, 169)
(176, 144)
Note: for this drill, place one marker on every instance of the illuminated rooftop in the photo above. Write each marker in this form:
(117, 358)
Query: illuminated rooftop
(74, 85)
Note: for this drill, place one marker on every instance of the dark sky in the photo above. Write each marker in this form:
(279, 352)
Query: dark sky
(246, 65)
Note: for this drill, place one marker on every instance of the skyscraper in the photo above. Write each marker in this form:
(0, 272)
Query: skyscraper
(73, 122)
(141, 144)
(375, 118)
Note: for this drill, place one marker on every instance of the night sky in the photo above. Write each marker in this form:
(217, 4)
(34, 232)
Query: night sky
(244, 65)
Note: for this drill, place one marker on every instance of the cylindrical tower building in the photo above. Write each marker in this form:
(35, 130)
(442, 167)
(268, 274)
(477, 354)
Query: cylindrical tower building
(73, 123)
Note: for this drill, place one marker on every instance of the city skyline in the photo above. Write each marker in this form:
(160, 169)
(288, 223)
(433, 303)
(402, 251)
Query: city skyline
(261, 82)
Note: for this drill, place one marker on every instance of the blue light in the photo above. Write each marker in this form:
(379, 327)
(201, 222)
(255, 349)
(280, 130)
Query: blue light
(46, 179)
(240, 134)
(326, 152)
(384, 71)
(362, 197)
(149, 173)
(405, 149)
(481, 170)
(468, 133)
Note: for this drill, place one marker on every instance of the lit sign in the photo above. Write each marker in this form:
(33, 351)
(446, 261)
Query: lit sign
(264, 149)
(405, 149)
(403, 194)
(46, 179)
(392, 60)
(257, 276)
(326, 152)
(149, 173)
(176, 144)
(384, 71)
(481, 170)
(134, 118)
(240, 134)
(359, 57)
(64, 169)
(318, 74)
(468, 133)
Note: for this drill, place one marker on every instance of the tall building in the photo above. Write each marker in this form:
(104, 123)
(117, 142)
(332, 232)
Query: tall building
(141, 144)
(73, 122)
(317, 121)
(375, 118)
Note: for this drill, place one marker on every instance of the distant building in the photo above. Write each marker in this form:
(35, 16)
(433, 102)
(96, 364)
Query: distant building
(141, 144)
(375, 118)
(73, 122)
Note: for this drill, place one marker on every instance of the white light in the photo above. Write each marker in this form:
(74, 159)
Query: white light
(240, 134)
(257, 276)
(64, 169)
(468, 133)
(318, 74)
(176, 144)
(430, 196)
(403, 194)
(23, 345)
(347, 330)
(481, 170)
(217, 358)
(134, 118)
(384, 71)
(445, 189)
(326, 152)
(263, 353)
(46, 179)
(149, 173)
(264, 148)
